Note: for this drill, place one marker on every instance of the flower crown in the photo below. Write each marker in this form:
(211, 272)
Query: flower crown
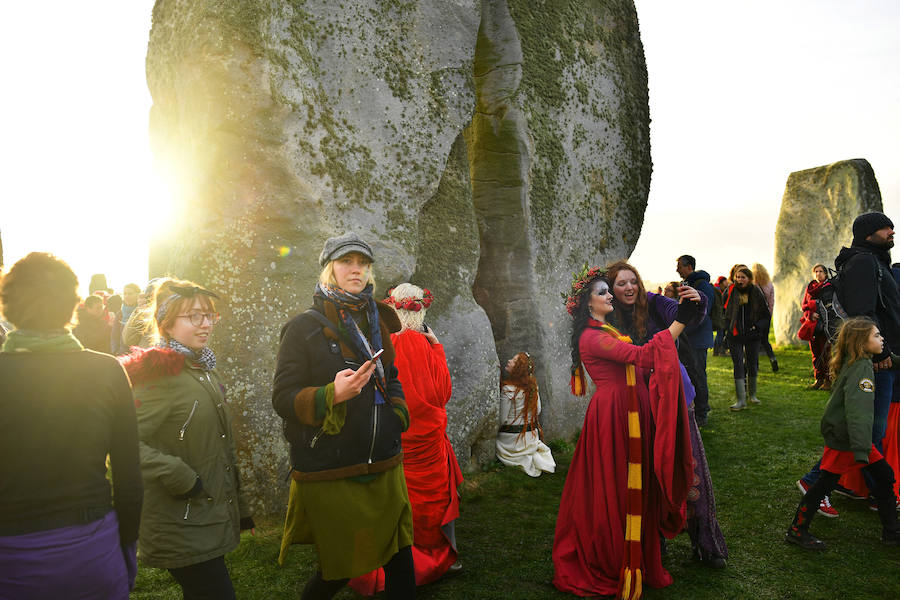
(411, 303)
(581, 281)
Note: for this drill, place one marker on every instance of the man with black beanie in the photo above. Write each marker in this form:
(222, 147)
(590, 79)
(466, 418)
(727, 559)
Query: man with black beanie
(868, 289)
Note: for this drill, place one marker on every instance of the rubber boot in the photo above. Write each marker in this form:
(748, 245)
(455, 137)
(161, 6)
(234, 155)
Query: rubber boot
(886, 502)
(741, 392)
(751, 388)
(798, 533)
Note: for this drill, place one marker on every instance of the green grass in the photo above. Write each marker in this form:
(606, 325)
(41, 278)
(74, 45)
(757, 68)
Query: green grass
(505, 530)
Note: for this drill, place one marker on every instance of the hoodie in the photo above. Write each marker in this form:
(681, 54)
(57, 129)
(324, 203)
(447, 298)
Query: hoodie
(868, 289)
(701, 334)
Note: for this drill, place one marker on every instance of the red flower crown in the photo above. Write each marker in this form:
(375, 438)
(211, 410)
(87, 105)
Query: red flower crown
(581, 280)
(411, 303)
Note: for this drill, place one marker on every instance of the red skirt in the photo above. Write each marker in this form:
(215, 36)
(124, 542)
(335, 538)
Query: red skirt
(842, 461)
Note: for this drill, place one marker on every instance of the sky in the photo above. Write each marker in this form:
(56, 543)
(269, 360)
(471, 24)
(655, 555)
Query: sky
(741, 95)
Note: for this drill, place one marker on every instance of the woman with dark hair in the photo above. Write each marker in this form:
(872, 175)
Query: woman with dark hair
(339, 395)
(519, 441)
(630, 473)
(194, 508)
(65, 532)
(747, 317)
(642, 315)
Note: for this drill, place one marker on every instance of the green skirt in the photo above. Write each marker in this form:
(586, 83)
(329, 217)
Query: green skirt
(356, 527)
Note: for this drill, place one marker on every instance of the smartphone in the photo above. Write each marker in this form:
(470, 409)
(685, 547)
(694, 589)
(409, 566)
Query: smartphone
(377, 354)
(424, 327)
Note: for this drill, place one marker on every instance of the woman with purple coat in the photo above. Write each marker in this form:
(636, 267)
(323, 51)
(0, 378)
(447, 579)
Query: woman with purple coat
(641, 315)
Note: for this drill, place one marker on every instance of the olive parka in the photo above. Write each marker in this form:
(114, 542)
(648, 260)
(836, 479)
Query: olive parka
(185, 432)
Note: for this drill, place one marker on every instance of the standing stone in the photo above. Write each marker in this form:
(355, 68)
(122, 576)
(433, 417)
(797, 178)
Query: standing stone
(484, 149)
(816, 219)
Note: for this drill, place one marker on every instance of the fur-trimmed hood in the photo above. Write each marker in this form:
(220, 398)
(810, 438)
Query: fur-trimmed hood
(147, 364)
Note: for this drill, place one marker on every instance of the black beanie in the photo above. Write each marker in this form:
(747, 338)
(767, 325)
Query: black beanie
(866, 224)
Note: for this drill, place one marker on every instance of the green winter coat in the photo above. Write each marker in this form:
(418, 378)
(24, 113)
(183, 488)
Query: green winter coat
(185, 432)
(847, 422)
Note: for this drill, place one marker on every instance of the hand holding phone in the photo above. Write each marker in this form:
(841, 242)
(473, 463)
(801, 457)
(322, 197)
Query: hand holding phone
(377, 354)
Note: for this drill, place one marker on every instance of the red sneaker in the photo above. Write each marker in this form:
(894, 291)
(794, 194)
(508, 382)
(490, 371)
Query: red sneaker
(825, 507)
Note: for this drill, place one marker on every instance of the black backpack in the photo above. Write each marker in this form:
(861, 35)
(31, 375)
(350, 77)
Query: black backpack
(829, 304)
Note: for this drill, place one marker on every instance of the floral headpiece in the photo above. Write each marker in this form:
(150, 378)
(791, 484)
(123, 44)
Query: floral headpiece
(581, 281)
(411, 303)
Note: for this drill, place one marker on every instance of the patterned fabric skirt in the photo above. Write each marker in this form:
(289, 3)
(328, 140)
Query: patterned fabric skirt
(702, 525)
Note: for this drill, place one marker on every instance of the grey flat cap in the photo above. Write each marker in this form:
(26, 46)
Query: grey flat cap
(337, 247)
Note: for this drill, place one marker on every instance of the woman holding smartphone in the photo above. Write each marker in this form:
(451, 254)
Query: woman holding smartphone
(344, 411)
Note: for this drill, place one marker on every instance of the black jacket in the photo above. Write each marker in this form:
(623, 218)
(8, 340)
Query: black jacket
(308, 358)
(748, 321)
(868, 289)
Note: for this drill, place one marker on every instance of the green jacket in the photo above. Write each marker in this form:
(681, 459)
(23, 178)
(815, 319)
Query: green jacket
(847, 422)
(184, 428)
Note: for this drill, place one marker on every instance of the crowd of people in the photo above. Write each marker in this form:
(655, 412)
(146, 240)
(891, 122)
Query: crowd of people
(362, 385)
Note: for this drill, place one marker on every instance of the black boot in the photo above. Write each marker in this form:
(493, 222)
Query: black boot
(886, 502)
(798, 533)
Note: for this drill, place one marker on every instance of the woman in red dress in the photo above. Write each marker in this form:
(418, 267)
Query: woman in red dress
(432, 473)
(614, 506)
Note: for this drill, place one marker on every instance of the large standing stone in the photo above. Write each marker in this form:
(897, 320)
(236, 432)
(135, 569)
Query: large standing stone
(485, 149)
(816, 219)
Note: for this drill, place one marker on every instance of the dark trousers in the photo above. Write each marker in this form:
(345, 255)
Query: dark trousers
(742, 350)
(881, 475)
(821, 354)
(399, 580)
(701, 400)
(207, 580)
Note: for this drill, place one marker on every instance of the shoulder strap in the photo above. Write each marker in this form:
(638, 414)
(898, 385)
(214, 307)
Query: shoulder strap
(323, 321)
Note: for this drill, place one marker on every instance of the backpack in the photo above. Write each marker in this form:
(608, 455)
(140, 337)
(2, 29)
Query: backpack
(717, 314)
(829, 304)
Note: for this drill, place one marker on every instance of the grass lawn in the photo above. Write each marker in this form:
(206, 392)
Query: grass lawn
(505, 531)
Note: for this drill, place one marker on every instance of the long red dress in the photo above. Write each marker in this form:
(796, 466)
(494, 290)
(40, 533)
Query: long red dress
(432, 473)
(589, 545)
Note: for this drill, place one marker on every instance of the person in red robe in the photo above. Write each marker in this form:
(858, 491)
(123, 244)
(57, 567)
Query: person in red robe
(631, 470)
(432, 472)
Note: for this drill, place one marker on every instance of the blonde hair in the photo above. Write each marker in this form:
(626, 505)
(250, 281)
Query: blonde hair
(760, 275)
(151, 326)
(326, 277)
(850, 344)
(409, 319)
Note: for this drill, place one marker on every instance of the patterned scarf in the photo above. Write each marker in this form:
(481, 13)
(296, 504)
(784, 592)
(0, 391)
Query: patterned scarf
(57, 340)
(345, 302)
(631, 575)
(205, 359)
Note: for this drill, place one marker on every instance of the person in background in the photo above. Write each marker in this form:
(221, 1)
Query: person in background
(130, 295)
(66, 530)
(720, 346)
(139, 328)
(92, 329)
(332, 382)
(429, 464)
(114, 312)
(700, 335)
(812, 330)
(671, 290)
(519, 441)
(762, 280)
(194, 507)
(747, 316)
(98, 284)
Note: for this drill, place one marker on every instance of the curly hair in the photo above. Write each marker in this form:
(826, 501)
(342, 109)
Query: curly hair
(39, 293)
(640, 314)
(521, 377)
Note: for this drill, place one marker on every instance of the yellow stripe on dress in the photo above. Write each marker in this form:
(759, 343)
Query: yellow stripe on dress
(633, 529)
(634, 424)
(634, 476)
(630, 378)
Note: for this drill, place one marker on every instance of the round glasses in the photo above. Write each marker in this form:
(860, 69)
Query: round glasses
(197, 319)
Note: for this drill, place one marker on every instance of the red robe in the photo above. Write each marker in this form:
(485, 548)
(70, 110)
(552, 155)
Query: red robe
(590, 531)
(432, 473)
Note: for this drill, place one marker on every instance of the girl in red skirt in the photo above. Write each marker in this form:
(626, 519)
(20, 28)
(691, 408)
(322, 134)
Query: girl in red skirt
(847, 429)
